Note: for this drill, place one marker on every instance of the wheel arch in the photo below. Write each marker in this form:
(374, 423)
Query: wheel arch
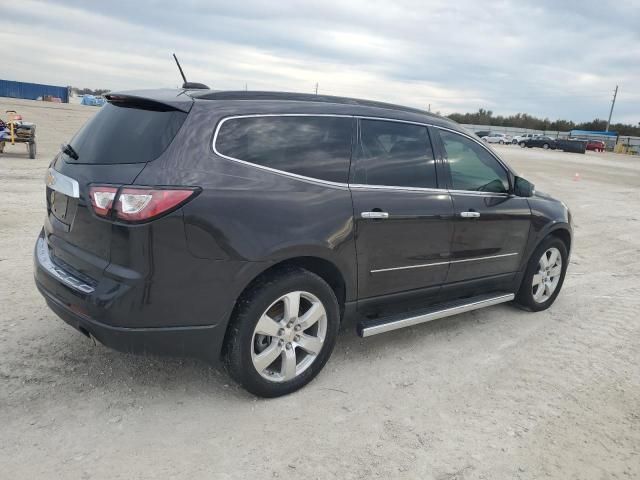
(560, 230)
(324, 268)
(563, 234)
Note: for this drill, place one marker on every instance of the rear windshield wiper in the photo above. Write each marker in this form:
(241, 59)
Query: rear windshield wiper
(68, 149)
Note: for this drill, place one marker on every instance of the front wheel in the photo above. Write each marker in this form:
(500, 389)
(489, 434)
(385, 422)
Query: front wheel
(282, 333)
(522, 144)
(545, 146)
(544, 275)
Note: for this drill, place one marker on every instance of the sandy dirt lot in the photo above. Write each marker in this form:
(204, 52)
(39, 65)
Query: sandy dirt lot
(494, 394)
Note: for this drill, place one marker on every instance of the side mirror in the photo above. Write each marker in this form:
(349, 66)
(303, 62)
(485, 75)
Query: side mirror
(523, 188)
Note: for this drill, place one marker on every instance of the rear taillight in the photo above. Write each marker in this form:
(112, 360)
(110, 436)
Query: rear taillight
(137, 204)
(102, 199)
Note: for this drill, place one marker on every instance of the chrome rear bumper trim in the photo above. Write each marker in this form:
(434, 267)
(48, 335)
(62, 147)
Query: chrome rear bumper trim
(42, 250)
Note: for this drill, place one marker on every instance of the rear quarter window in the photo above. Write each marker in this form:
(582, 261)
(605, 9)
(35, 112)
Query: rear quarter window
(317, 147)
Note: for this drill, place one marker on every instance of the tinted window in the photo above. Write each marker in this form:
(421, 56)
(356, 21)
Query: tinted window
(126, 134)
(394, 154)
(471, 166)
(318, 147)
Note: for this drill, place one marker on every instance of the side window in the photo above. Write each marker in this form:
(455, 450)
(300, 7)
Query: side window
(394, 154)
(317, 147)
(471, 166)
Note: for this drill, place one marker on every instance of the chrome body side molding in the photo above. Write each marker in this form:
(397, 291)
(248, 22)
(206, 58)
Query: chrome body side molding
(434, 264)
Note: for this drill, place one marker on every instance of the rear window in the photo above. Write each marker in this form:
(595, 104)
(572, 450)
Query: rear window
(126, 134)
(317, 147)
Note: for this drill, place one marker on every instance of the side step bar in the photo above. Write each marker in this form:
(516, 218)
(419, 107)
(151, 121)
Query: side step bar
(387, 324)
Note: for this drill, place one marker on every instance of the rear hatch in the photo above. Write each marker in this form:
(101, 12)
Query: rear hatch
(111, 148)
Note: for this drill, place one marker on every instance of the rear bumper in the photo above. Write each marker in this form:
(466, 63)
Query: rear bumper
(93, 308)
(202, 342)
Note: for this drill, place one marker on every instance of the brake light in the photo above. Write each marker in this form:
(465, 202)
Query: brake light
(137, 204)
(102, 199)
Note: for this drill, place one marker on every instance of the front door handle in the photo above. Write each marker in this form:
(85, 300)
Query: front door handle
(375, 215)
(470, 214)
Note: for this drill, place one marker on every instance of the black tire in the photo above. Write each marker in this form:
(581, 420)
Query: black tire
(525, 297)
(252, 305)
(501, 142)
(32, 150)
(522, 144)
(545, 146)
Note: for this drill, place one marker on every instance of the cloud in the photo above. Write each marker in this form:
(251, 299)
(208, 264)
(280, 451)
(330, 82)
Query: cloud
(554, 59)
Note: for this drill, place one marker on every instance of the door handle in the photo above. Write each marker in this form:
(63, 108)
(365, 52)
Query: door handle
(374, 215)
(470, 214)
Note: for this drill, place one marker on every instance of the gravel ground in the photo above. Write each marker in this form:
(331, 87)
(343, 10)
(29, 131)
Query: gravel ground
(497, 393)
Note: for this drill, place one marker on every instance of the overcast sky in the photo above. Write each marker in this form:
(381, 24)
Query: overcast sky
(560, 59)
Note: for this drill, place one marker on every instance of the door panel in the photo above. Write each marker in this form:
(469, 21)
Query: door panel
(493, 242)
(409, 249)
(491, 225)
(403, 239)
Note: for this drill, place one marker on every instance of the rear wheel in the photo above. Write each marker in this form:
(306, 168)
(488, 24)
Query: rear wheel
(32, 150)
(522, 144)
(544, 275)
(545, 146)
(283, 333)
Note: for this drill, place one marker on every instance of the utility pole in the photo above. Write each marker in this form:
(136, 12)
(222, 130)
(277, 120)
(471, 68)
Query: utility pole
(316, 88)
(429, 108)
(613, 102)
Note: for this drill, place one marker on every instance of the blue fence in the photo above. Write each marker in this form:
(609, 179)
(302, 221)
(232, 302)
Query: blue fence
(32, 91)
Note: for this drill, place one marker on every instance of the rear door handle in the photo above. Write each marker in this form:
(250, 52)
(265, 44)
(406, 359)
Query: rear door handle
(470, 214)
(375, 215)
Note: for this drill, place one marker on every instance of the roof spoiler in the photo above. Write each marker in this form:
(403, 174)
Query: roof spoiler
(152, 100)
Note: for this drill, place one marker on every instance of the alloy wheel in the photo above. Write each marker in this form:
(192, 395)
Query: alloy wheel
(546, 279)
(289, 336)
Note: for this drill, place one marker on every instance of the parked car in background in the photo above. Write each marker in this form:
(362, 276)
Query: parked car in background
(596, 145)
(247, 227)
(541, 141)
(482, 133)
(495, 137)
(525, 136)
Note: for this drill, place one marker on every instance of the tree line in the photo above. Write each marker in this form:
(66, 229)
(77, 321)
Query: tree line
(524, 120)
(89, 91)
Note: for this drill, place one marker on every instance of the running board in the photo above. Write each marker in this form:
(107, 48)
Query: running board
(387, 324)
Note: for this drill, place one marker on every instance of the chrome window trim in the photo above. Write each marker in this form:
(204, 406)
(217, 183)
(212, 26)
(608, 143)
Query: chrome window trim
(361, 186)
(342, 185)
(449, 262)
(478, 193)
(61, 183)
